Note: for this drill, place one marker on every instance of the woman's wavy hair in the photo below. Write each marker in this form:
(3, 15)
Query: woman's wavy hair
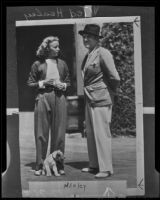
(43, 50)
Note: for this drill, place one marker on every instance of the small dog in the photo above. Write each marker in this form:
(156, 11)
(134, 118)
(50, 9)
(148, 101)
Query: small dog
(53, 162)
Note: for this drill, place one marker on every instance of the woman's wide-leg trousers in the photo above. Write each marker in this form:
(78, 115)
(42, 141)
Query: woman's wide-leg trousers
(49, 114)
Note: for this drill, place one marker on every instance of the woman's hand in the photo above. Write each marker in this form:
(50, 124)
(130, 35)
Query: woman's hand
(48, 82)
(59, 85)
(56, 83)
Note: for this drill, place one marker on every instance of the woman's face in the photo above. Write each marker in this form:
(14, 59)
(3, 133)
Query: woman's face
(53, 49)
(89, 41)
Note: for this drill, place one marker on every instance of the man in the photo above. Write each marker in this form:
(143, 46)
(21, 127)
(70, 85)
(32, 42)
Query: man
(101, 80)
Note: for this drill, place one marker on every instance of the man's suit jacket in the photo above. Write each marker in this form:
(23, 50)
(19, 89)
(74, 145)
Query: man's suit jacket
(38, 73)
(101, 78)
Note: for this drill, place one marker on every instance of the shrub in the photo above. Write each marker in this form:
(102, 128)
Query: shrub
(118, 39)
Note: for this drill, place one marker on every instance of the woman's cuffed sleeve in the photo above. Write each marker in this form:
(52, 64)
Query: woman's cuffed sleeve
(67, 76)
(33, 76)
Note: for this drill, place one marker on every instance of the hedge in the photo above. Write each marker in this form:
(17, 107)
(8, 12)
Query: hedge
(118, 39)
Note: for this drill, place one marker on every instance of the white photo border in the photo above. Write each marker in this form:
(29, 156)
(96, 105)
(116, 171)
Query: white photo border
(140, 190)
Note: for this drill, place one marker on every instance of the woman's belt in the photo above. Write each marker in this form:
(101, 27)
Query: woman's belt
(48, 89)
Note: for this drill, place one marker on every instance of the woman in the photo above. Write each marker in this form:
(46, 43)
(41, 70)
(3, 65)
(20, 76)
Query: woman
(50, 76)
(101, 80)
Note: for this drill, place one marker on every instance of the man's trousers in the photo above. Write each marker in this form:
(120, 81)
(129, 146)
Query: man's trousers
(49, 114)
(99, 137)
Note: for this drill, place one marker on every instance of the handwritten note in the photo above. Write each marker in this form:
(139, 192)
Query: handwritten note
(105, 189)
(71, 185)
(57, 12)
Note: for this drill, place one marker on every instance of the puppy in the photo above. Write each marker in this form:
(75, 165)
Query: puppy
(52, 162)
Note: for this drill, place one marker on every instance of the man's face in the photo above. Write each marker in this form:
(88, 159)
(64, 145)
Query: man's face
(89, 41)
(53, 49)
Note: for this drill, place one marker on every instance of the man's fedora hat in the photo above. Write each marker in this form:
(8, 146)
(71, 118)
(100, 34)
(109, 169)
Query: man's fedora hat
(92, 29)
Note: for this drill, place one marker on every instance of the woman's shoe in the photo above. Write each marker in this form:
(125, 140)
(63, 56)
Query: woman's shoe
(38, 172)
(103, 174)
(90, 170)
(62, 172)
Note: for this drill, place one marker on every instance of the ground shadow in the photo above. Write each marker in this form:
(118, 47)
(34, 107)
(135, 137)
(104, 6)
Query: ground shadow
(32, 165)
(78, 165)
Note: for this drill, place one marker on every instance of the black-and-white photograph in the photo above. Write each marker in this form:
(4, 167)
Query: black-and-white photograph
(80, 107)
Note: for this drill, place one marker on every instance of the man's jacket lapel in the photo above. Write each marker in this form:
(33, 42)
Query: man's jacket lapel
(91, 60)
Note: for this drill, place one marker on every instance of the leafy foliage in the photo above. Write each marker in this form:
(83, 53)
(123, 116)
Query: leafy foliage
(118, 39)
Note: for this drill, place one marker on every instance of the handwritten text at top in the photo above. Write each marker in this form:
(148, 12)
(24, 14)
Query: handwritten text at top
(56, 13)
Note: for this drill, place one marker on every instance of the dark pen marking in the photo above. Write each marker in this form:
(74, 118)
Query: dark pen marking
(136, 20)
(140, 184)
(95, 10)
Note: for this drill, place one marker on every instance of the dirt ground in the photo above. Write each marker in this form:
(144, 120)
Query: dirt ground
(123, 148)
